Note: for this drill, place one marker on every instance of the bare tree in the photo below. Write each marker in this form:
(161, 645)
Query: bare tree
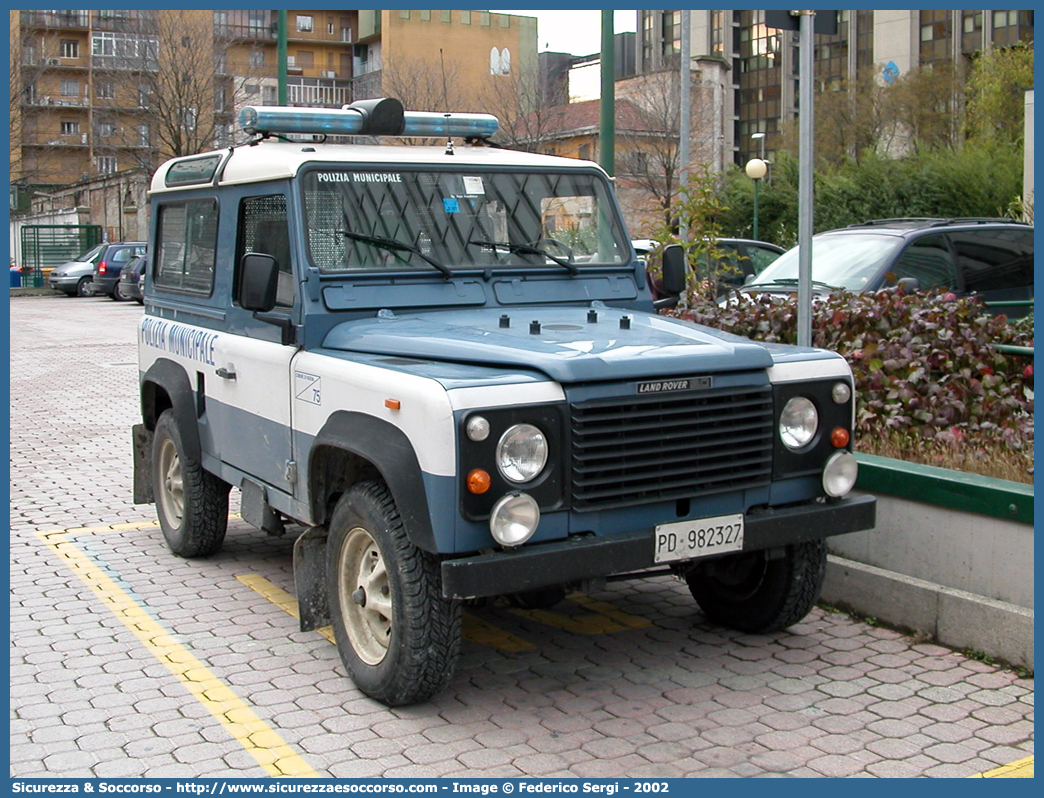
(176, 74)
(527, 122)
(649, 142)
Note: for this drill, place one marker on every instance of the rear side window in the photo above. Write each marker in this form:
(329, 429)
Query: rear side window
(929, 261)
(991, 260)
(127, 253)
(186, 246)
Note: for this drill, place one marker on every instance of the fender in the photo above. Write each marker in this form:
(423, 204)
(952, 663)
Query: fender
(171, 377)
(390, 451)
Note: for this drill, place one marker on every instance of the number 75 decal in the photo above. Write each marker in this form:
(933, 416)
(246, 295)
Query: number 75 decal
(308, 388)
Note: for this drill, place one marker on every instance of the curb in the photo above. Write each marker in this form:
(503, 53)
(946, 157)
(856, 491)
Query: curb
(954, 618)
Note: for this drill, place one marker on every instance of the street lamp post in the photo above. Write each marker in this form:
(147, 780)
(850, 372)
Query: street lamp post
(756, 169)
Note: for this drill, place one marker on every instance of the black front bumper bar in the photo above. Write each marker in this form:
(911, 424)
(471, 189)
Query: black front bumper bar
(590, 557)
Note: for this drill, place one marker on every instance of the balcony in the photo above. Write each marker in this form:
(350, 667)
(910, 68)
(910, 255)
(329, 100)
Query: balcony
(249, 32)
(126, 21)
(55, 140)
(319, 96)
(55, 19)
(67, 102)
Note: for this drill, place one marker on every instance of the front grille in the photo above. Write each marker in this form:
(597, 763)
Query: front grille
(636, 450)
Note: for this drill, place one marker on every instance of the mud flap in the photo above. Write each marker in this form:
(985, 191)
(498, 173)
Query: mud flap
(313, 605)
(141, 442)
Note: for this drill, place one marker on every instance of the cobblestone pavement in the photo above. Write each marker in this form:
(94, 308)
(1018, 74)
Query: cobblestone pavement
(126, 661)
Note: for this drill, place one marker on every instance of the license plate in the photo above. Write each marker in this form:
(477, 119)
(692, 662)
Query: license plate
(686, 540)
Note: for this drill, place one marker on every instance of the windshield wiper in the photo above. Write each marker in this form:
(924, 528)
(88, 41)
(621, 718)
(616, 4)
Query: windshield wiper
(526, 249)
(396, 246)
(790, 281)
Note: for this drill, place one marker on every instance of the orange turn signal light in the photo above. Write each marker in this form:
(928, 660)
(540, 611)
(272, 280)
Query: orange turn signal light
(840, 437)
(479, 481)
(392, 404)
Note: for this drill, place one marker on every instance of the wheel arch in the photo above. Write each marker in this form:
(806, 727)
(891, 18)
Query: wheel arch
(166, 386)
(353, 447)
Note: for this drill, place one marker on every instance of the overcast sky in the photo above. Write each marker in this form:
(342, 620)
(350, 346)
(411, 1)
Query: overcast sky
(575, 32)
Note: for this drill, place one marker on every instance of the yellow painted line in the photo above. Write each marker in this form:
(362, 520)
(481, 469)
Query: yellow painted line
(238, 719)
(479, 631)
(619, 616)
(1022, 769)
(605, 619)
(93, 530)
(280, 598)
(475, 629)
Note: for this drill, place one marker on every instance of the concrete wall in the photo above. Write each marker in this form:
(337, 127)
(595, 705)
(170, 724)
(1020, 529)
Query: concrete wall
(978, 554)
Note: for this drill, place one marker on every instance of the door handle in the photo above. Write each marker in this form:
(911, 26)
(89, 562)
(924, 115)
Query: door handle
(227, 372)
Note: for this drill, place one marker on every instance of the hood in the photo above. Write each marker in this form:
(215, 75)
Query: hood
(561, 342)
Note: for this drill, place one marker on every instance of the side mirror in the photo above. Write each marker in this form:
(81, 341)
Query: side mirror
(910, 285)
(258, 282)
(674, 269)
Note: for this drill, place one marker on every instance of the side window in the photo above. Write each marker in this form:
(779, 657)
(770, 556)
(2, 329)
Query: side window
(263, 228)
(991, 260)
(927, 259)
(186, 246)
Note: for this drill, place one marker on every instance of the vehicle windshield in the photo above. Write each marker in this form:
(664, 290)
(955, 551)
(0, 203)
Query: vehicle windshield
(838, 261)
(401, 218)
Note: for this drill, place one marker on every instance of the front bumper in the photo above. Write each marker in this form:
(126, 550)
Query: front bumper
(589, 557)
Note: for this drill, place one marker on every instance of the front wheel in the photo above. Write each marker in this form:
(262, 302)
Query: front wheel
(398, 637)
(752, 593)
(84, 287)
(192, 503)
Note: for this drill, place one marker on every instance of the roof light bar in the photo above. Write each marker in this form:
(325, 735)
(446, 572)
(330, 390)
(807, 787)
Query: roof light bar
(384, 117)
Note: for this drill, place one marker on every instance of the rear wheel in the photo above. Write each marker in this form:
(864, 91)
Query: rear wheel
(192, 504)
(753, 593)
(398, 637)
(117, 294)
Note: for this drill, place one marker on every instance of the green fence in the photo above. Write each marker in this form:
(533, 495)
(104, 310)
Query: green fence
(45, 246)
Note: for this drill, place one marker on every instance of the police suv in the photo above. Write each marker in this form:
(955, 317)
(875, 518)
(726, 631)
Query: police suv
(444, 364)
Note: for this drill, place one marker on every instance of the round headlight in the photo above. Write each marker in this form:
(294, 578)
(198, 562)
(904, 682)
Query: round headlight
(521, 453)
(841, 393)
(839, 475)
(798, 422)
(514, 519)
(477, 428)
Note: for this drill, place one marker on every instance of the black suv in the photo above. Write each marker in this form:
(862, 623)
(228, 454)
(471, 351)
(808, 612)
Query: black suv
(989, 258)
(108, 267)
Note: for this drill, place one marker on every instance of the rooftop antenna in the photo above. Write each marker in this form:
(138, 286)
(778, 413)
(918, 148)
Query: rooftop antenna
(449, 140)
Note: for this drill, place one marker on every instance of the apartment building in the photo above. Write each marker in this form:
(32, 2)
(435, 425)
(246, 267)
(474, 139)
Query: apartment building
(760, 82)
(98, 92)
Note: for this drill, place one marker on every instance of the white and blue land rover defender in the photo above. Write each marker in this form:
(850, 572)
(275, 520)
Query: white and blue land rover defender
(444, 363)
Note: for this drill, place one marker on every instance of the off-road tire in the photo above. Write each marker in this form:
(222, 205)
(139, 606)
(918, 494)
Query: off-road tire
(398, 637)
(191, 503)
(751, 593)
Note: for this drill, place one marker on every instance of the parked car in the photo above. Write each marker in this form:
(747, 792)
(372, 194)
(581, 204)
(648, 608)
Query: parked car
(110, 264)
(988, 258)
(130, 279)
(742, 258)
(75, 278)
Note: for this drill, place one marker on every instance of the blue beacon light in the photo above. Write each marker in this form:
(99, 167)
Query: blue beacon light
(384, 117)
